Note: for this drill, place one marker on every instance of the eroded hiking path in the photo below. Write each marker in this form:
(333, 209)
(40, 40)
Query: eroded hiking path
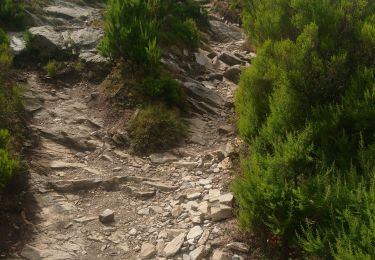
(174, 205)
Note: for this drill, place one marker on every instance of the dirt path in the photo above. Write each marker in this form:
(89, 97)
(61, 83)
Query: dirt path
(174, 205)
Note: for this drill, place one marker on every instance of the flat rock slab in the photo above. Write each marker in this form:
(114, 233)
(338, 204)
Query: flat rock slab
(86, 184)
(199, 253)
(161, 158)
(148, 251)
(225, 32)
(33, 253)
(174, 246)
(161, 185)
(65, 12)
(198, 91)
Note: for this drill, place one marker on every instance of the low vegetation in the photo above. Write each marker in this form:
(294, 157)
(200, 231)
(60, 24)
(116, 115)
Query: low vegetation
(307, 110)
(12, 14)
(155, 128)
(52, 68)
(135, 30)
(9, 106)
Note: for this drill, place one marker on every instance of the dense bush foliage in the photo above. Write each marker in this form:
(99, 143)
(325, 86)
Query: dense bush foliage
(7, 165)
(9, 104)
(12, 14)
(307, 109)
(135, 30)
(155, 128)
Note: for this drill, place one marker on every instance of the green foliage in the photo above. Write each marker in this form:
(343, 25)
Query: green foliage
(132, 24)
(7, 165)
(162, 87)
(155, 128)
(183, 33)
(9, 104)
(3, 37)
(306, 107)
(52, 68)
(12, 14)
(29, 38)
(135, 30)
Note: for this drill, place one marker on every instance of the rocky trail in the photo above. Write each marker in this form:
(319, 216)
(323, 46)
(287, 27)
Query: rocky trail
(98, 201)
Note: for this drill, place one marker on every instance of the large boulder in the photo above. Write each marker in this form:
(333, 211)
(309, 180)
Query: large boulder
(46, 39)
(223, 32)
(199, 92)
(233, 73)
(230, 59)
(86, 37)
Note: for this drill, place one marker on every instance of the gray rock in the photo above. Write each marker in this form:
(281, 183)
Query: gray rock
(186, 164)
(213, 195)
(107, 216)
(198, 91)
(74, 185)
(226, 129)
(225, 32)
(220, 255)
(202, 59)
(161, 186)
(204, 237)
(219, 65)
(238, 246)
(226, 199)
(194, 233)
(156, 209)
(17, 43)
(229, 59)
(221, 212)
(199, 253)
(94, 59)
(163, 158)
(46, 39)
(31, 253)
(69, 12)
(84, 219)
(174, 246)
(145, 211)
(193, 196)
(148, 251)
(233, 73)
(86, 37)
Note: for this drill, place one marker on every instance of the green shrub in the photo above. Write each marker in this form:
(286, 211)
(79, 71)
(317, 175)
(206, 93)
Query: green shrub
(183, 33)
(52, 68)
(12, 14)
(134, 31)
(3, 37)
(306, 107)
(162, 87)
(29, 38)
(130, 26)
(7, 165)
(155, 128)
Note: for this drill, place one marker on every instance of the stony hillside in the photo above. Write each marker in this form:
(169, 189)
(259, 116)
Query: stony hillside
(96, 200)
